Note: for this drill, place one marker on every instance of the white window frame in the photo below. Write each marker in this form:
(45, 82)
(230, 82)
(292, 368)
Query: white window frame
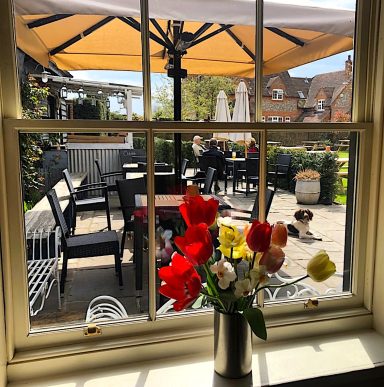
(320, 105)
(339, 314)
(287, 119)
(277, 95)
(275, 119)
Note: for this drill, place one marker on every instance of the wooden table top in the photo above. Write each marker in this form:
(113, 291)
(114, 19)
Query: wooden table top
(137, 175)
(170, 200)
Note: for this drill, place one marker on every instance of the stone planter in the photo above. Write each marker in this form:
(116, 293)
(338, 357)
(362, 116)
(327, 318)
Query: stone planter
(307, 191)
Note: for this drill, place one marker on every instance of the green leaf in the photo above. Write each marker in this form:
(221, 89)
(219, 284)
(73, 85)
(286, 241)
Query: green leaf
(255, 319)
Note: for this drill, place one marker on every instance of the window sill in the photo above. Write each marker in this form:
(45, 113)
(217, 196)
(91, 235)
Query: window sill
(289, 361)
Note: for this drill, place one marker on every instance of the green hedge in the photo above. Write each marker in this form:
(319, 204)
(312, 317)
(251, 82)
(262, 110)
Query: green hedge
(164, 150)
(324, 163)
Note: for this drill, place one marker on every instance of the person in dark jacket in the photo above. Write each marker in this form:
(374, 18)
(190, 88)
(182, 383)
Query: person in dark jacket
(213, 151)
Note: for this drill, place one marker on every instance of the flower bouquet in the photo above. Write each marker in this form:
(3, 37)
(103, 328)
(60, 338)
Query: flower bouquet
(237, 271)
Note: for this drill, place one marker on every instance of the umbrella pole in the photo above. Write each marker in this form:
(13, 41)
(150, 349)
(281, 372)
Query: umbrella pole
(177, 102)
(177, 115)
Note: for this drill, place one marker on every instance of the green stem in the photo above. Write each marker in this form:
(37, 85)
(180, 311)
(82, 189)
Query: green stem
(212, 287)
(253, 259)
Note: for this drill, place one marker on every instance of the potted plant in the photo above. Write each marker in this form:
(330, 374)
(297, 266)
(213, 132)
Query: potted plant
(307, 188)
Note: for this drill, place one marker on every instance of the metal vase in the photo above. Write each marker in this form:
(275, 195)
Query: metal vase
(233, 345)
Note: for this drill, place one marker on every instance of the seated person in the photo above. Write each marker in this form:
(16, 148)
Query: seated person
(252, 148)
(198, 147)
(213, 151)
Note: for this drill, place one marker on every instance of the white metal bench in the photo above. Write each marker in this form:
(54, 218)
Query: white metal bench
(43, 272)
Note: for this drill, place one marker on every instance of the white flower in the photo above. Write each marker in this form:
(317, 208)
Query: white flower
(243, 288)
(225, 273)
(259, 275)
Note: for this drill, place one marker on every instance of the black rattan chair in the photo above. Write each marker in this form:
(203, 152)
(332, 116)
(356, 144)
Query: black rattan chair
(280, 169)
(184, 165)
(254, 213)
(216, 163)
(127, 189)
(208, 182)
(251, 174)
(105, 175)
(83, 246)
(89, 204)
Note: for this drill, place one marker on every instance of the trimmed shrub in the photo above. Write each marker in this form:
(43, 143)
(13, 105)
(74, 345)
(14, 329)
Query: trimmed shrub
(324, 163)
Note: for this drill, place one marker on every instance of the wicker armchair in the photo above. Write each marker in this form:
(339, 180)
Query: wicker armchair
(127, 190)
(83, 246)
(254, 213)
(105, 175)
(88, 204)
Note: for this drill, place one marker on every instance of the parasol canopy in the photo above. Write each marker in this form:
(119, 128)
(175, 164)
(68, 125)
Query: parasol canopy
(222, 114)
(102, 35)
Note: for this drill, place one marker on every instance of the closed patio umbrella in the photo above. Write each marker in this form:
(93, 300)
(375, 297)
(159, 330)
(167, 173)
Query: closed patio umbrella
(241, 112)
(222, 114)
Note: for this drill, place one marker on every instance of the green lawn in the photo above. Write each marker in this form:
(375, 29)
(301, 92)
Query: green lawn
(341, 198)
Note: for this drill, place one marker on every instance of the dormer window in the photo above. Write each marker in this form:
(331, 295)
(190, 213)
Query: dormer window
(320, 105)
(277, 94)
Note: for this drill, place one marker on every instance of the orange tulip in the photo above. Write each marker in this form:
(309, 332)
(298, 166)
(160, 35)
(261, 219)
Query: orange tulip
(272, 259)
(279, 235)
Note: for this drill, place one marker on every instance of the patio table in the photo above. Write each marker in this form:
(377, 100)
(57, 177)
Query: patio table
(162, 203)
(237, 162)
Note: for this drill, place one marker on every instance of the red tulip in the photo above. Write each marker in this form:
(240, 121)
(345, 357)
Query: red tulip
(182, 282)
(196, 210)
(259, 236)
(196, 244)
(272, 259)
(279, 235)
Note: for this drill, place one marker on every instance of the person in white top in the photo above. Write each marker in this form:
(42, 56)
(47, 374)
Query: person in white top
(197, 147)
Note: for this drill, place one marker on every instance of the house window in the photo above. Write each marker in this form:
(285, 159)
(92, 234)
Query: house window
(275, 119)
(301, 94)
(320, 105)
(277, 94)
(262, 118)
(144, 140)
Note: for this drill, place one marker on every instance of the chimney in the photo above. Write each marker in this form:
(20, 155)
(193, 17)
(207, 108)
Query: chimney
(348, 67)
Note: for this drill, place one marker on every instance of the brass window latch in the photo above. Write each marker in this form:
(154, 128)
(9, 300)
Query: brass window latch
(311, 303)
(92, 330)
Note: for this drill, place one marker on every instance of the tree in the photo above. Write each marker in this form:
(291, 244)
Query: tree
(33, 98)
(199, 93)
(88, 111)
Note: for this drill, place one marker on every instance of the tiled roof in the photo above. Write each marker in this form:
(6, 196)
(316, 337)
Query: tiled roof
(329, 82)
(292, 84)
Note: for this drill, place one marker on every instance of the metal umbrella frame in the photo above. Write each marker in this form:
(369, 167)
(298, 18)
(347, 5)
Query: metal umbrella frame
(196, 34)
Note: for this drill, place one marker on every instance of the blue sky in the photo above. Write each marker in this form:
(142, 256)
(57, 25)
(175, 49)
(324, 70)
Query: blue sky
(333, 63)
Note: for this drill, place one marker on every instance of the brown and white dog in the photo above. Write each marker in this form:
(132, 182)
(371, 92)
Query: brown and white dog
(300, 227)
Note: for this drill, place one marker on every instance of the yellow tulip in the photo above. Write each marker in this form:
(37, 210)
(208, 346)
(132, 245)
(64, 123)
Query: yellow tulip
(230, 236)
(320, 267)
(237, 252)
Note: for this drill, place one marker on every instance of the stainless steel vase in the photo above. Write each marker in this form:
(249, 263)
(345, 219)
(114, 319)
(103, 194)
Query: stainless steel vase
(233, 345)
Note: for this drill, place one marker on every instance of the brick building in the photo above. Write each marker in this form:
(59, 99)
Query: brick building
(323, 98)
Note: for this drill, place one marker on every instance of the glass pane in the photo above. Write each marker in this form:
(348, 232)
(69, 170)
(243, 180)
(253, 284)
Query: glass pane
(198, 60)
(80, 63)
(314, 198)
(75, 188)
(308, 61)
(234, 183)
